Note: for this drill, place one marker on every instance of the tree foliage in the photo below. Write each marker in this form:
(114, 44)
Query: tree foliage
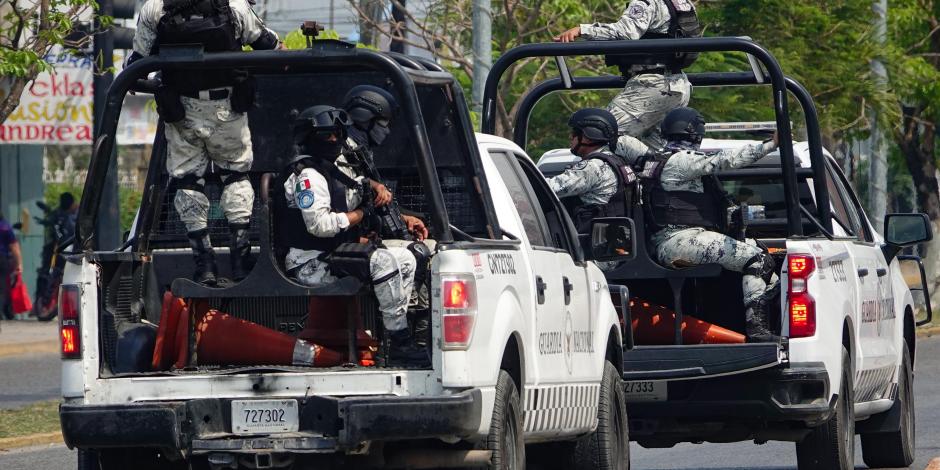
(29, 29)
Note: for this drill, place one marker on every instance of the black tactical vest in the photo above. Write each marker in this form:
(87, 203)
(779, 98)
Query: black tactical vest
(683, 23)
(294, 228)
(620, 203)
(681, 208)
(206, 22)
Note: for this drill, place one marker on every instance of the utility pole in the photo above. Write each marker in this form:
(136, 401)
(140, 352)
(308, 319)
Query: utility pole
(108, 229)
(482, 50)
(878, 163)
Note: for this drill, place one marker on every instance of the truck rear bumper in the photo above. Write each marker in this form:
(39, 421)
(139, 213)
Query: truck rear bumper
(797, 394)
(327, 424)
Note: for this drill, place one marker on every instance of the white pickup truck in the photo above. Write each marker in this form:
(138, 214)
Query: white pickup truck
(846, 317)
(526, 342)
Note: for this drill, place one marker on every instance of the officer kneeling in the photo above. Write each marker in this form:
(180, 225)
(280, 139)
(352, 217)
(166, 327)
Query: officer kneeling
(334, 211)
(686, 208)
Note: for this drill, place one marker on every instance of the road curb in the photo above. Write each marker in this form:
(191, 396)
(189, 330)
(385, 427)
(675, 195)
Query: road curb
(15, 349)
(926, 333)
(8, 443)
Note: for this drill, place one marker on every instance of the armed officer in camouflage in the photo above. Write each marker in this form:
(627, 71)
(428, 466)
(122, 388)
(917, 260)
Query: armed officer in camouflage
(686, 209)
(655, 84)
(206, 118)
(600, 185)
(334, 212)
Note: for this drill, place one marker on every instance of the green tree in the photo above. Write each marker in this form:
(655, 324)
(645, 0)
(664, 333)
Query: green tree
(29, 29)
(915, 76)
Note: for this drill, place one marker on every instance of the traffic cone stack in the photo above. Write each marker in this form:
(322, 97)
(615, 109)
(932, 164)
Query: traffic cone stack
(226, 340)
(655, 325)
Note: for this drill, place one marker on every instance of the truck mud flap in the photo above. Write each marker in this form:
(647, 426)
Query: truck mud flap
(699, 361)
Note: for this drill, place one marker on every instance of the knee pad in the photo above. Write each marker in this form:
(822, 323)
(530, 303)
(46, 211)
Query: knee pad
(422, 256)
(230, 177)
(191, 183)
(761, 265)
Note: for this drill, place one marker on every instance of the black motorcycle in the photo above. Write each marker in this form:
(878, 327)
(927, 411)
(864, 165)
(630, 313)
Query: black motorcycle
(58, 227)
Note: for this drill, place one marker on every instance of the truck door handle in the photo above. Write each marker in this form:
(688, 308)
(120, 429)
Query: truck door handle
(881, 271)
(568, 287)
(862, 272)
(540, 289)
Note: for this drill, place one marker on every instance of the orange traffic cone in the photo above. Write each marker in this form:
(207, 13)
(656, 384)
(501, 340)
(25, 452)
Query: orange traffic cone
(182, 339)
(654, 324)
(226, 340)
(164, 351)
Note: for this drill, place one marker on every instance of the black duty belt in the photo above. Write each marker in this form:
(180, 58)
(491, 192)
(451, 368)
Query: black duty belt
(217, 94)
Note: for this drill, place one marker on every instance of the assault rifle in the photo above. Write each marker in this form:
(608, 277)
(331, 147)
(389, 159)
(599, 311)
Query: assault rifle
(389, 215)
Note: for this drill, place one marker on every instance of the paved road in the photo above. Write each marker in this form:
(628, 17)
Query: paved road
(782, 456)
(29, 378)
(741, 456)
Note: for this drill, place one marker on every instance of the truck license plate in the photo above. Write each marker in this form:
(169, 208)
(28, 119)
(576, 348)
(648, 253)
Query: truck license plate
(264, 416)
(644, 390)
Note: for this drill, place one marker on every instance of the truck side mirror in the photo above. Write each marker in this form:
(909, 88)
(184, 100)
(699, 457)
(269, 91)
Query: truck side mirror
(903, 230)
(612, 239)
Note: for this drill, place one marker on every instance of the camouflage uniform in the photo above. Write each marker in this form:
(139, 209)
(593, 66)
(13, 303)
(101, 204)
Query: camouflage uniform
(679, 246)
(211, 131)
(593, 181)
(396, 265)
(647, 97)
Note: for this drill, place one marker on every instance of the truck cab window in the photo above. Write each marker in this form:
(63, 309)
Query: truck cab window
(559, 225)
(842, 210)
(536, 229)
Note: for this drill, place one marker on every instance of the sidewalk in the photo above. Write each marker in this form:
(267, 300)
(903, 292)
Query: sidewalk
(28, 336)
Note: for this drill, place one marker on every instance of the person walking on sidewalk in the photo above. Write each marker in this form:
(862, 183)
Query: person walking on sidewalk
(11, 265)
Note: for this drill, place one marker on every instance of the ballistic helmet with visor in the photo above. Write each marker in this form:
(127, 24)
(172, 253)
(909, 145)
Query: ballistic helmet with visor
(595, 124)
(685, 124)
(367, 102)
(320, 122)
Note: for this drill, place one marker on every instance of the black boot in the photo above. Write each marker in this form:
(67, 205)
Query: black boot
(757, 323)
(402, 350)
(206, 271)
(421, 326)
(240, 254)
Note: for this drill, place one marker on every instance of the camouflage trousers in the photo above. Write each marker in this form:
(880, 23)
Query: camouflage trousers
(640, 108)
(211, 132)
(684, 247)
(392, 271)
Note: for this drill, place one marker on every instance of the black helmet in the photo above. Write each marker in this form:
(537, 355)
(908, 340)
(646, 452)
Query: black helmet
(320, 119)
(367, 102)
(596, 124)
(684, 124)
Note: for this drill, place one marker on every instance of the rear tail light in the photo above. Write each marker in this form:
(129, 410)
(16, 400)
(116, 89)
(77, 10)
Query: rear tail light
(458, 299)
(802, 306)
(70, 334)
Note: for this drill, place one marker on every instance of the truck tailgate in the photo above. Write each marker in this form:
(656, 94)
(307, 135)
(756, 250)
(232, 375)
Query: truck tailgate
(699, 361)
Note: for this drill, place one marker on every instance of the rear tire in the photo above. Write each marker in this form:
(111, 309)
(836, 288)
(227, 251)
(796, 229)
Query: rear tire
(831, 446)
(608, 447)
(88, 460)
(505, 437)
(895, 449)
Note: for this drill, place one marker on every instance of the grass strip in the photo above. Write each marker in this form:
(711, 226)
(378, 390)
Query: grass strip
(37, 418)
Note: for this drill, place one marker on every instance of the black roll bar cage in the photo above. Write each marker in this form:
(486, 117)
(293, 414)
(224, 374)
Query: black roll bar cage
(775, 75)
(403, 72)
(813, 137)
